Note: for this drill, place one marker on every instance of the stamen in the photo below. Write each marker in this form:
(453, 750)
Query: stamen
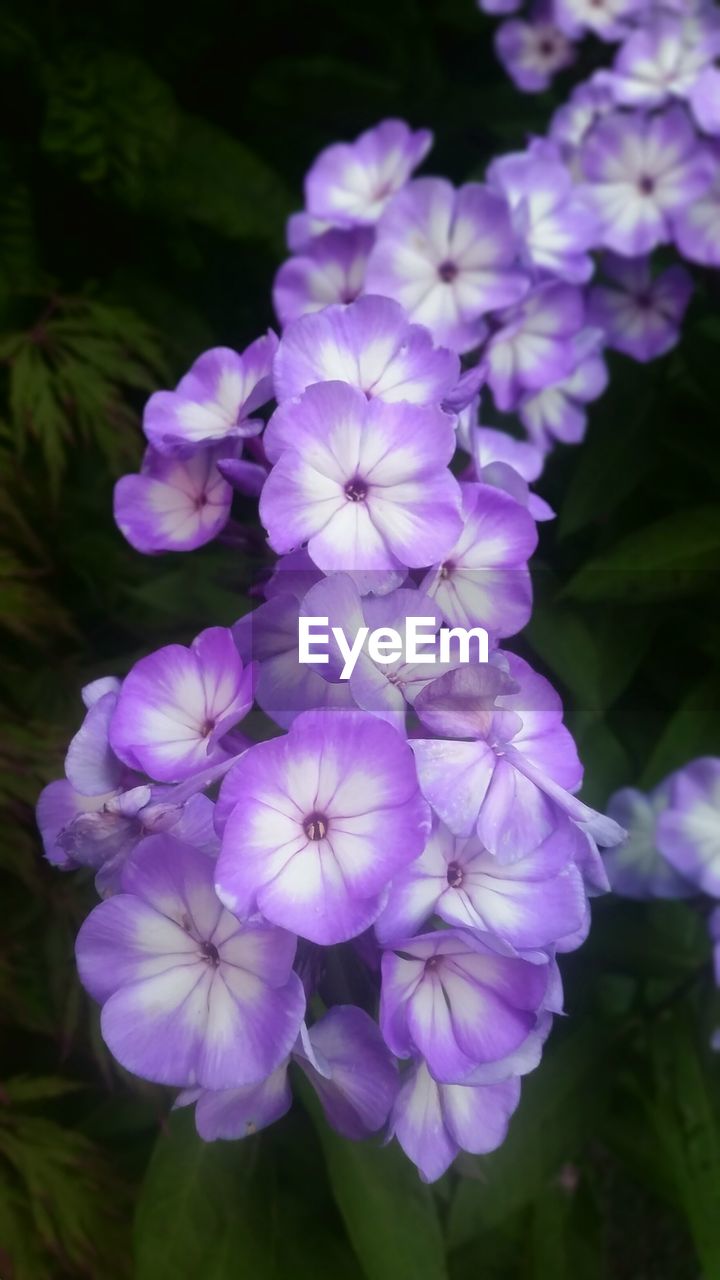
(316, 826)
(210, 953)
(356, 490)
(447, 271)
(454, 875)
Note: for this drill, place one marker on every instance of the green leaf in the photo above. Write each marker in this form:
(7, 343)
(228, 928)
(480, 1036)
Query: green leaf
(390, 1215)
(673, 556)
(202, 1211)
(690, 732)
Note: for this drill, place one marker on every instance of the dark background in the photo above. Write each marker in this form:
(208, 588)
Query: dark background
(149, 157)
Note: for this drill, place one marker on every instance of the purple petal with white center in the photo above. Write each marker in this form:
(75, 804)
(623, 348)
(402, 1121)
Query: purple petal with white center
(534, 345)
(174, 504)
(329, 270)
(485, 580)
(349, 184)
(447, 256)
(658, 62)
(329, 813)
(364, 484)
(177, 703)
(190, 997)
(532, 52)
(213, 403)
(641, 317)
(369, 345)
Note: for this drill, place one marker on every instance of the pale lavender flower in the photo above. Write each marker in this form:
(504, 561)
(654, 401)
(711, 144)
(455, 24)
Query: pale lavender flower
(174, 504)
(458, 1001)
(369, 345)
(559, 412)
(532, 52)
(555, 222)
(662, 60)
(448, 256)
(509, 465)
(330, 269)
(435, 1122)
(350, 183)
(533, 346)
(635, 867)
(587, 103)
(177, 704)
(484, 580)
(640, 313)
(529, 903)
(688, 829)
(215, 400)
(640, 170)
(91, 766)
(364, 484)
(325, 817)
(189, 995)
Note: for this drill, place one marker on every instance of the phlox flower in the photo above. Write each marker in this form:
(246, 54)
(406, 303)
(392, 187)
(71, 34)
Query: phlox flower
(177, 704)
(189, 995)
(640, 170)
(350, 183)
(369, 345)
(607, 19)
(323, 818)
(174, 504)
(688, 828)
(532, 52)
(635, 867)
(365, 484)
(533, 345)
(448, 255)
(330, 269)
(640, 313)
(529, 903)
(484, 580)
(458, 1001)
(215, 400)
(558, 412)
(696, 225)
(662, 60)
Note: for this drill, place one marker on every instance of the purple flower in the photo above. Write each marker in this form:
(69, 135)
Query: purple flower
(533, 347)
(508, 464)
(369, 345)
(558, 412)
(448, 256)
(381, 685)
(635, 867)
(662, 60)
(214, 401)
(554, 221)
(696, 226)
(704, 97)
(688, 829)
(351, 1070)
(512, 782)
(530, 903)
(174, 504)
(189, 996)
(364, 483)
(458, 1001)
(176, 705)
(57, 807)
(434, 1122)
(607, 19)
(325, 817)
(331, 269)
(640, 170)
(641, 314)
(587, 103)
(350, 183)
(91, 766)
(484, 580)
(346, 1061)
(532, 52)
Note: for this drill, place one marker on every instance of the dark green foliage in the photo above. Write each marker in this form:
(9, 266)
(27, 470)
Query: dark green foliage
(149, 158)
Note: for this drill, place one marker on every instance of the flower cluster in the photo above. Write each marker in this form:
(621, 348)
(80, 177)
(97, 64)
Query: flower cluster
(375, 887)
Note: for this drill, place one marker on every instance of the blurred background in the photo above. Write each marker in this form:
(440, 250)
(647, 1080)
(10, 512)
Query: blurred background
(149, 157)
